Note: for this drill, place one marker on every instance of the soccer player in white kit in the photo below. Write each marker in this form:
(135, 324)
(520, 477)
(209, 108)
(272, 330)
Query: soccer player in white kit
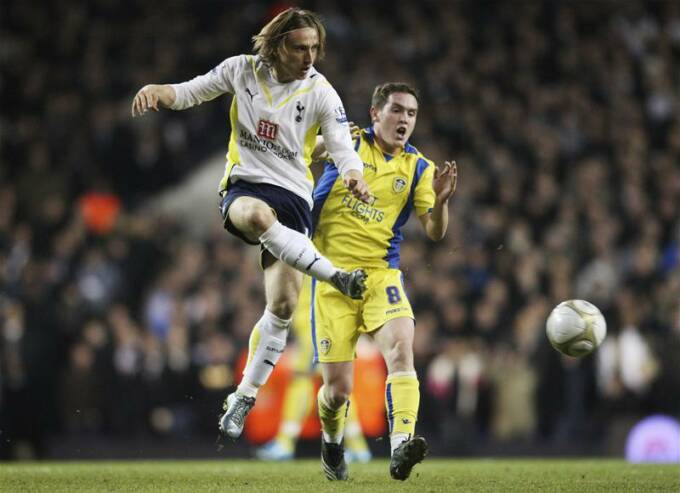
(280, 102)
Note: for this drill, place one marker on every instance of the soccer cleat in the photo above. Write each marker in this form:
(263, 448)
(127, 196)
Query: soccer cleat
(236, 407)
(407, 455)
(333, 461)
(274, 451)
(358, 456)
(352, 284)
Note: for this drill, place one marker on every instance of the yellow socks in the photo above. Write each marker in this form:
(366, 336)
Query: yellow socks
(402, 399)
(332, 420)
(354, 437)
(296, 407)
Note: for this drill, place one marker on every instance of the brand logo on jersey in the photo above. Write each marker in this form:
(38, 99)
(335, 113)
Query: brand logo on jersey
(250, 94)
(370, 166)
(299, 109)
(267, 130)
(364, 212)
(340, 115)
(264, 144)
(316, 259)
(325, 345)
(399, 184)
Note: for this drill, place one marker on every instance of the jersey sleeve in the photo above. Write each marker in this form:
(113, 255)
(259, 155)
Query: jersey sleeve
(336, 136)
(218, 81)
(424, 196)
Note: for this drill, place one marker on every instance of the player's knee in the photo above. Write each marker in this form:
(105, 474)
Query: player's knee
(283, 308)
(338, 394)
(259, 219)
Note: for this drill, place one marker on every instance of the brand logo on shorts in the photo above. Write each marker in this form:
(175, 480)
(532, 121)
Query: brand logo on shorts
(325, 345)
(267, 130)
(399, 184)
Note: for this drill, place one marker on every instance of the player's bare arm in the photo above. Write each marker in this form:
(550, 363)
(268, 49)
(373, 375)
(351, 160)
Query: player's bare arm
(444, 185)
(319, 154)
(151, 97)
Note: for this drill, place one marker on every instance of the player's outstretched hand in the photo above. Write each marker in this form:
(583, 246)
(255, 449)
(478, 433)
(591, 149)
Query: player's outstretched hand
(354, 129)
(355, 183)
(445, 181)
(150, 97)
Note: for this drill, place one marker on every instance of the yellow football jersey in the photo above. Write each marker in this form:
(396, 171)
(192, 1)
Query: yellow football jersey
(354, 234)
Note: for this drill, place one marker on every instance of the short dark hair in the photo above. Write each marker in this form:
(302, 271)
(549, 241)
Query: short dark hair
(382, 92)
(267, 42)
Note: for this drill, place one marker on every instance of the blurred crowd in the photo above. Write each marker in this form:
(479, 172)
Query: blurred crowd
(562, 116)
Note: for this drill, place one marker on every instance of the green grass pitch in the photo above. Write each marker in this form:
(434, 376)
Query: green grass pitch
(434, 475)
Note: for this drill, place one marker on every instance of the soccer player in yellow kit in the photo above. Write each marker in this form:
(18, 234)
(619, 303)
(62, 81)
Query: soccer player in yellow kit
(297, 403)
(352, 233)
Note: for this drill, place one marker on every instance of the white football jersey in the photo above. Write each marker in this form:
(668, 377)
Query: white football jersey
(274, 125)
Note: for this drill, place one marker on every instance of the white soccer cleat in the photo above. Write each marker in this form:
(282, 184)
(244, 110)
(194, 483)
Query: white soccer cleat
(236, 407)
(357, 456)
(274, 451)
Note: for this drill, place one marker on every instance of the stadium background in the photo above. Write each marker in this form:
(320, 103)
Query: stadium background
(120, 324)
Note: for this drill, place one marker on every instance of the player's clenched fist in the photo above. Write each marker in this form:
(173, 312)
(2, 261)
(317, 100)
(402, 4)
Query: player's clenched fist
(355, 183)
(150, 97)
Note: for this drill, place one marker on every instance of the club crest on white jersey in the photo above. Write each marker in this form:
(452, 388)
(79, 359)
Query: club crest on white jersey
(274, 125)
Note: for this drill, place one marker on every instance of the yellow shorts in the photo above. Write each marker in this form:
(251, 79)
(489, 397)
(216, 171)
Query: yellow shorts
(337, 321)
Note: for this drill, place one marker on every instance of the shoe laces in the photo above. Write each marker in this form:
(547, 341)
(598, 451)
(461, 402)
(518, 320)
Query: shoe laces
(241, 406)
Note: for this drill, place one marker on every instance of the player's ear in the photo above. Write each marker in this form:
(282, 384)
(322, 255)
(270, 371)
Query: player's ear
(374, 114)
(282, 48)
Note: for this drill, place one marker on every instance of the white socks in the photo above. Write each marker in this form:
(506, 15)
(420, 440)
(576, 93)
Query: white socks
(397, 439)
(296, 250)
(267, 345)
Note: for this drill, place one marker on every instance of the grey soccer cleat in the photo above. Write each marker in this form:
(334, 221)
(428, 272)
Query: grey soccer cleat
(236, 407)
(407, 455)
(352, 284)
(333, 461)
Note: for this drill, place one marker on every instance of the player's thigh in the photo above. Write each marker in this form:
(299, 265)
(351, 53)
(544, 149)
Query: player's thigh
(395, 341)
(251, 216)
(335, 324)
(282, 286)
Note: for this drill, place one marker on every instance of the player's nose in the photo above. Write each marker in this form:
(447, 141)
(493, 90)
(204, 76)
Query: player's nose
(308, 56)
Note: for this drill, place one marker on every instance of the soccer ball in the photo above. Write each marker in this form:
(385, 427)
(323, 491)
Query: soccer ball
(576, 328)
